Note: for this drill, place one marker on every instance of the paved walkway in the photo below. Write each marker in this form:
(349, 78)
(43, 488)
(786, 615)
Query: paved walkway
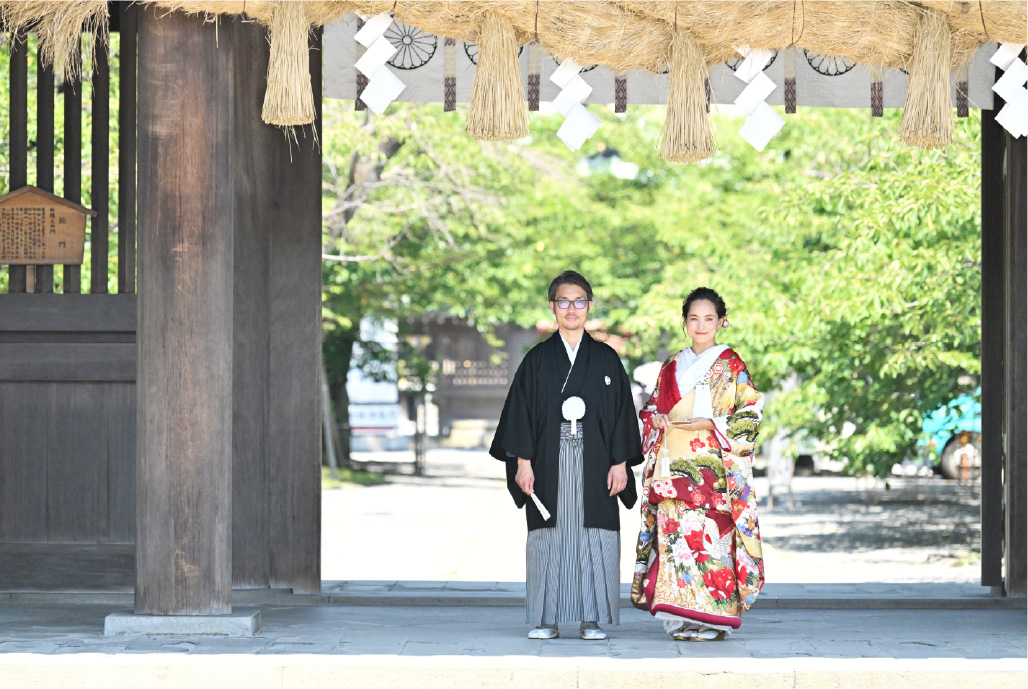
(344, 646)
(458, 523)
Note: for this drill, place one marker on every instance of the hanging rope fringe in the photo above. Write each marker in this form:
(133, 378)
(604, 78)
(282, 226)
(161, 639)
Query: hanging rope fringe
(927, 114)
(497, 109)
(687, 135)
(289, 100)
(59, 26)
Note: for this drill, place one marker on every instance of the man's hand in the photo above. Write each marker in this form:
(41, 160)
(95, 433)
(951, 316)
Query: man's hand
(525, 477)
(617, 479)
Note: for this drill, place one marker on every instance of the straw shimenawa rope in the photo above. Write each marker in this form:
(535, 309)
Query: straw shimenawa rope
(289, 99)
(928, 112)
(687, 135)
(59, 27)
(497, 109)
(928, 39)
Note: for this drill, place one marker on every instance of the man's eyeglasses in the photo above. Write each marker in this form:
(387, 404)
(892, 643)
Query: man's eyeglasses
(565, 303)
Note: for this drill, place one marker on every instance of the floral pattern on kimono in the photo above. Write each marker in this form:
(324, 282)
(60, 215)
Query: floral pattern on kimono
(708, 564)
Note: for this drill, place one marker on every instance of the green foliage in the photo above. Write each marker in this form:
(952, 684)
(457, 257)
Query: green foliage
(850, 261)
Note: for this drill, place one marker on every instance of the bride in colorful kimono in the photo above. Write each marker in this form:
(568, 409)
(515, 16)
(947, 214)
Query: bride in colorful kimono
(699, 564)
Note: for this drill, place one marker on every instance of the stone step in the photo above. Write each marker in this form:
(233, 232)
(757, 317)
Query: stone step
(860, 596)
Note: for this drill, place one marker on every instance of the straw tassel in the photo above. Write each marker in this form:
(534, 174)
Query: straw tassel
(497, 109)
(687, 135)
(289, 99)
(928, 114)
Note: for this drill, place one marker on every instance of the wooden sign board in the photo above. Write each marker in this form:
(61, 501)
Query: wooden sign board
(39, 228)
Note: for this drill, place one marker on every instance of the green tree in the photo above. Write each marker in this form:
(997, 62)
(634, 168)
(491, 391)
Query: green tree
(850, 260)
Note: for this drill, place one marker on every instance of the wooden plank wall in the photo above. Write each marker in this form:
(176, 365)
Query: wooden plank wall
(68, 361)
(67, 409)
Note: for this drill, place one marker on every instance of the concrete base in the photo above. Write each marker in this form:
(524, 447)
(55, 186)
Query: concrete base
(237, 623)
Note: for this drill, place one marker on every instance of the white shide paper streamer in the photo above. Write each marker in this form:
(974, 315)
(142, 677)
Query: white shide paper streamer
(762, 122)
(383, 86)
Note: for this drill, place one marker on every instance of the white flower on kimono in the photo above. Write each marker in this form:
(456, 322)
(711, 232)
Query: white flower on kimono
(682, 552)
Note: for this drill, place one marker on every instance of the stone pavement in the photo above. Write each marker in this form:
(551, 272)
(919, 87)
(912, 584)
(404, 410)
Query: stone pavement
(343, 646)
(458, 523)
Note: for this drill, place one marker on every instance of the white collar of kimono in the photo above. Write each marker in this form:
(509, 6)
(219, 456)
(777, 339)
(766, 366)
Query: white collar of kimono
(690, 367)
(572, 351)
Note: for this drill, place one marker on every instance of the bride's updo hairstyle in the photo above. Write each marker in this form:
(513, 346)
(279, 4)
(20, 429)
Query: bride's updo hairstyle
(708, 294)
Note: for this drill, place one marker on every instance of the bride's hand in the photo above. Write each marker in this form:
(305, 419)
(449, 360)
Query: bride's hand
(697, 424)
(661, 421)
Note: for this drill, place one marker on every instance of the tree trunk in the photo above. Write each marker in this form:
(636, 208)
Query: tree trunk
(340, 347)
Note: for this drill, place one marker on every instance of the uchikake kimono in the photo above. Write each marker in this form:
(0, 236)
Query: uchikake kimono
(698, 558)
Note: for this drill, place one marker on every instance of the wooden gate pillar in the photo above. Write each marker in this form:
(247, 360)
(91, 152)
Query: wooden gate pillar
(1004, 357)
(276, 514)
(184, 375)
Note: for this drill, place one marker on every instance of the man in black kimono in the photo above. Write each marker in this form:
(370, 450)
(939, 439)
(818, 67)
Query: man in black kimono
(576, 458)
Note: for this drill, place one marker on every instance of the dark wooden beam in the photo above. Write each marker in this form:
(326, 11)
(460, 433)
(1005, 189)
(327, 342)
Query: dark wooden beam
(184, 372)
(19, 138)
(992, 354)
(44, 278)
(99, 168)
(257, 196)
(127, 148)
(1015, 222)
(295, 413)
(56, 314)
(72, 93)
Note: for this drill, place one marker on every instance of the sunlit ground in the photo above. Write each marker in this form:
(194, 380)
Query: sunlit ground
(459, 523)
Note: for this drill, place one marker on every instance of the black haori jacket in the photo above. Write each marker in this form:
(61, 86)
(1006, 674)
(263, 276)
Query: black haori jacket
(530, 428)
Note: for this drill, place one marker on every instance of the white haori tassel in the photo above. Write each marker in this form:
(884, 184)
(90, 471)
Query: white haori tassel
(573, 409)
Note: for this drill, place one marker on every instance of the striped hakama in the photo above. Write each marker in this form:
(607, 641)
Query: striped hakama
(573, 573)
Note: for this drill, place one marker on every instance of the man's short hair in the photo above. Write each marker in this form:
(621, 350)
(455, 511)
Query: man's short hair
(570, 277)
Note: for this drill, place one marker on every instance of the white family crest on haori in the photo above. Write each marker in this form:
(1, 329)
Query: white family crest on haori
(606, 379)
(762, 122)
(573, 409)
(1011, 88)
(383, 86)
(579, 123)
